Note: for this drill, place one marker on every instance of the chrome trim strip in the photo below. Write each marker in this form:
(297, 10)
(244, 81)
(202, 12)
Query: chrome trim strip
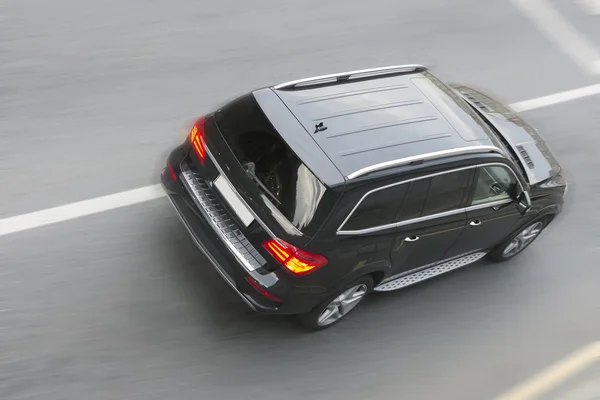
(222, 173)
(214, 262)
(373, 71)
(424, 157)
(218, 230)
(428, 217)
(402, 223)
(490, 204)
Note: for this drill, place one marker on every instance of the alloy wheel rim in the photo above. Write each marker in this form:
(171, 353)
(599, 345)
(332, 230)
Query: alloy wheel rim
(523, 239)
(342, 305)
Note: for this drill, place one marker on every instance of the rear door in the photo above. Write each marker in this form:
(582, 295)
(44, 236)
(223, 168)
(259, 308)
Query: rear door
(421, 218)
(432, 219)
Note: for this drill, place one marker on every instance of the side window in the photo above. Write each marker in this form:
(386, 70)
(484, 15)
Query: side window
(414, 202)
(410, 200)
(494, 183)
(447, 192)
(377, 209)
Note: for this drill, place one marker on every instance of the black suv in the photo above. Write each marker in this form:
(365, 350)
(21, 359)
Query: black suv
(310, 194)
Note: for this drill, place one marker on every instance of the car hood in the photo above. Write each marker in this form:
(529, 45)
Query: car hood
(533, 152)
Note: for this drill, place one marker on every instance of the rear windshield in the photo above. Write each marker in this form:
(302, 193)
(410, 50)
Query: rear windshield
(286, 183)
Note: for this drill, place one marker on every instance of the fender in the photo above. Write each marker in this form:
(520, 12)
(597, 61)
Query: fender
(551, 209)
(381, 268)
(544, 212)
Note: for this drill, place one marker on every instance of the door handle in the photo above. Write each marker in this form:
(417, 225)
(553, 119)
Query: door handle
(412, 238)
(477, 222)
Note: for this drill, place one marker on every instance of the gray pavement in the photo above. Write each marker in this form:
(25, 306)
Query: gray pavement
(120, 305)
(93, 93)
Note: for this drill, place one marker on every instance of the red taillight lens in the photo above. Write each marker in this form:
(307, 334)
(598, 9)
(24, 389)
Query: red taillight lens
(294, 259)
(171, 172)
(197, 139)
(262, 291)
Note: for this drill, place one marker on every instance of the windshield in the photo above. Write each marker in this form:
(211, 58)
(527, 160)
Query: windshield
(499, 140)
(288, 187)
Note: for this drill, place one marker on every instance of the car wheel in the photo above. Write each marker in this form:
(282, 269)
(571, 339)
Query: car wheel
(518, 242)
(337, 306)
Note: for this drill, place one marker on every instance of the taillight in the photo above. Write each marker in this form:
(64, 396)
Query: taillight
(262, 291)
(197, 139)
(171, 172)
(294, 259)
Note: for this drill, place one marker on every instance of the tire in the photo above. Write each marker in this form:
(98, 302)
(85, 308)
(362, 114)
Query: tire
(313, 320)
(506, 250)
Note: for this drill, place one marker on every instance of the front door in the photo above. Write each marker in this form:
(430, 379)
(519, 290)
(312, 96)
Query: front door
(491, 211)
(431, 219)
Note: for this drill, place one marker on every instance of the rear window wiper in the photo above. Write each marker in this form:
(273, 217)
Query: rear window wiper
(250, 168)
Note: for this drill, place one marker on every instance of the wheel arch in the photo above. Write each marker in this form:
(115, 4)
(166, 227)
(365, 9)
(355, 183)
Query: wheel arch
(377, 277)
(377, 272)
(549, 213)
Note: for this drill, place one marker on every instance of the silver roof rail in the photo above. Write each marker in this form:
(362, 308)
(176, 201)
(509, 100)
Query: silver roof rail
(373, 72)
(424, 157)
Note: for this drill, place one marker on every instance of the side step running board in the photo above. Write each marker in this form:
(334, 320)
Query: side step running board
(424, 274)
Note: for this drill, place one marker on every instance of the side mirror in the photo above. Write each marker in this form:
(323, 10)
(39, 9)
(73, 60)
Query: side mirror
(523, 202)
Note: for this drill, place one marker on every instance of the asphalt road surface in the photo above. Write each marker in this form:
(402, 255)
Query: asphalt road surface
(121, 305)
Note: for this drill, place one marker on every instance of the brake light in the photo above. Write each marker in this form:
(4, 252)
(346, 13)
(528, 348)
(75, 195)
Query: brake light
(262, 291)
(294, 259)
(197, 139)
(171, 172)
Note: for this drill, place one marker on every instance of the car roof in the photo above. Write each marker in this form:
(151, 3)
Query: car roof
(383, 118)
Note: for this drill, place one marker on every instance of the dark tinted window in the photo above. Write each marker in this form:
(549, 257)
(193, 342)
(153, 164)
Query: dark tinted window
(378, 208)
(287, 185)
(415, 201)
(447, 192)
(411, 200)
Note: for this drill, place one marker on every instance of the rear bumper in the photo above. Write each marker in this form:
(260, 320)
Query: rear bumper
(179, 206)
(215, 251)
(268, 289)
(294, 298)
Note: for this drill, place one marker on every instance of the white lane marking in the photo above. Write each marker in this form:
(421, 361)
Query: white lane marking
(588, 390)
(79, 209)
(568, 39)
(591, 7)
(70, 211)
(556, 98)
(555, 374)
